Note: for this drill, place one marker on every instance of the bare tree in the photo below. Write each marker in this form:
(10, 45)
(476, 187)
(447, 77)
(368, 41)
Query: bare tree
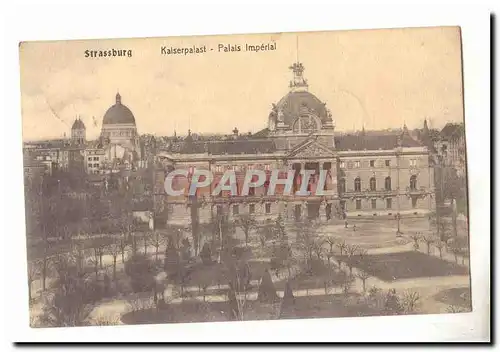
(123, 244)
(146, 238)
(318, 248)
(429, 240)
(410, 301)
(416, 238)
(351, 253)
(331, 242)
(247, 223)
(94, 261)
(363, 276)
(157, 240)
(114, 250)
(440, 245)
(342, 246)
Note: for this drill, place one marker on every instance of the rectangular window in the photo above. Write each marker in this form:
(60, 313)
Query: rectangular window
(372, 163)
(96, 158)
(90, 158)
(268, 208)
(251, 208)
(413, 162)
(236, 209)
(388, 203)
(356, 164)
(374, 204)
(358, 204)
(342, 165)
(414, 202)
(89, 165)
(387, 163)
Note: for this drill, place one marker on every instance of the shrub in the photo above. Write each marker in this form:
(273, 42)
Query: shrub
(141, 271)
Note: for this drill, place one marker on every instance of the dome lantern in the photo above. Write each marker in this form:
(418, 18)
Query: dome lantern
(118, 98)
(298, 83)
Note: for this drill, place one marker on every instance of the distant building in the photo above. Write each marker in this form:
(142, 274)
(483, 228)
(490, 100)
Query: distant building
(119, 136)
(78, 132)
(451, 147)
(95, 160)
(369, 175)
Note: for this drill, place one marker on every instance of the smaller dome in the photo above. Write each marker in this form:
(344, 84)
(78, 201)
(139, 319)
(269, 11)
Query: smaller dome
(118, 114)
(78, 125)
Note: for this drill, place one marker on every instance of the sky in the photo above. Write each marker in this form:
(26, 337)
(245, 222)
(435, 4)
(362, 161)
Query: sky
(373, 78)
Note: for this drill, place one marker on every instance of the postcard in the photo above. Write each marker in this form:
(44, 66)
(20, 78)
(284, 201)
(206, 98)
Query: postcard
(245, 177)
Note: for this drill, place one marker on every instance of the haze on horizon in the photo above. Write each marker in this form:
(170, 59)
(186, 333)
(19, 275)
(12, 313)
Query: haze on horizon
(373, 78)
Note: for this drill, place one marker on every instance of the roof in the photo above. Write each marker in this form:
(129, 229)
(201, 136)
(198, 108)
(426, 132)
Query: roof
(241, 146)
(118, 114)
(292, 104)
(78, 125)
(374, 142)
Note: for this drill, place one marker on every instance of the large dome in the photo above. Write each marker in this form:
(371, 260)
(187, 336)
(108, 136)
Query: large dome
(118, 114)
(295, 104)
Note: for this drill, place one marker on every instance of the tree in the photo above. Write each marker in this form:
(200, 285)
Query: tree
(114, 250)
(195, 223)
(363, 276)
(141, 271)
(331, 242)
(392, 304)
(267, 291)
(123, 244)
(206, 254)
(33, 272)
(157, 240)
(68, 305)
(146, 238)
(416, 238)
(409, 301)
(318, 248)
(429, 240)
(342, 246)
(351, 253)
(247, 223)
(306, 232)
(440, 245)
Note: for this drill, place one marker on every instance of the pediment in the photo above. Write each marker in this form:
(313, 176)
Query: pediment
(309, 149)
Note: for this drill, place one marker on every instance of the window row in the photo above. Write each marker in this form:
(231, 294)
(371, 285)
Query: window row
(251, 209)
(95, 158)
(373, 184)
(388, 203)
(92, 165)
(356, 164)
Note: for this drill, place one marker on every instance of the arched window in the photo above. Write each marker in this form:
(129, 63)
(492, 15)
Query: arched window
(413, 182)
(373, 184)
(388, 183)
(342, 185)
(357, 184)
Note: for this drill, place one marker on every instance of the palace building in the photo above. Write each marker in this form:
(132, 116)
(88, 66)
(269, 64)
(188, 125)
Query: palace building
(369, 174)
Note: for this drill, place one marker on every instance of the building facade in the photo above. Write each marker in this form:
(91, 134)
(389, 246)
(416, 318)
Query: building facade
(367, 174)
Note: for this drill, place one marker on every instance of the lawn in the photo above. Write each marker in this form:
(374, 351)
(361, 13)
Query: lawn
(325, 306)
(457, 296)
(405, 265)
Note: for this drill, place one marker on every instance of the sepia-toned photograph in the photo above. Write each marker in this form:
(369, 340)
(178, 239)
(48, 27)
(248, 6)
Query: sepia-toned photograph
(245, 177)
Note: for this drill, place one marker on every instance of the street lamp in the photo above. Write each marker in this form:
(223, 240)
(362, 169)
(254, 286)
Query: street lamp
(398, 218)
